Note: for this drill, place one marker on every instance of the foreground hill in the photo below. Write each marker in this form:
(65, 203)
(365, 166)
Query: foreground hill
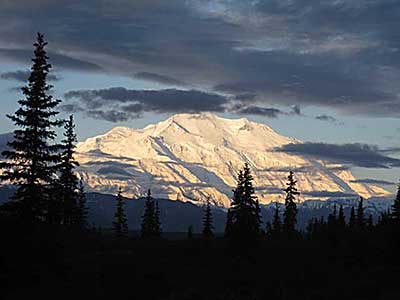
(190, 156)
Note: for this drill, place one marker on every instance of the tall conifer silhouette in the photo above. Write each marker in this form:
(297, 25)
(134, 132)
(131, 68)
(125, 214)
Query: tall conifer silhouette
(33, 159)
(68, 183)
(244, 214)
(82, 209)
(352, 218)
(276, 226)
(332, 218)
(150, 219)
(341, 221)
(396, 207)
(360, 218)
(207, 221)
(158, 229)
(120, 224)
(290, 214)
(228, 224)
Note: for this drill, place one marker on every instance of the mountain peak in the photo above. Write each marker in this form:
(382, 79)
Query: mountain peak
(191, 156)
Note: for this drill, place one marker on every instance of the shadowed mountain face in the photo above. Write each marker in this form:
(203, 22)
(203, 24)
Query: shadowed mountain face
(191, 156)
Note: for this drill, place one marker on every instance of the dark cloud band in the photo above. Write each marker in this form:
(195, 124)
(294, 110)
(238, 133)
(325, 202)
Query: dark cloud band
(22, 76)
(121, 104)
(360, 155)
(336, 54)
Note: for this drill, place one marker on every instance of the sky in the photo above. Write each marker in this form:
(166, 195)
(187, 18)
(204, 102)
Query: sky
(322, 71)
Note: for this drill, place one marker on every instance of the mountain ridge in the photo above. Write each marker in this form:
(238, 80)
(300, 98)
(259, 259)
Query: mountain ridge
(192, 156)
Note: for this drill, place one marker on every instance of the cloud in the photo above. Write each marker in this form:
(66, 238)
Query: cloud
(70, 108)
(360, 155)
(333, 54)
(260, 111)
(111, 115)
(159, 78)
(121, 104)
(22, 76)
(58, 61)
(326, 118)
(296, 110)
(373, 181)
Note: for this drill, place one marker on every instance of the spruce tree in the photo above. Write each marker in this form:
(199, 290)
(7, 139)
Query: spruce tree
(396, 207)
(332, 218)
(290, 214)
(384, 218)
(276, 226)
(258, 215)
(158, 229)
(207, 221)
(150, 219)
(120, 224)
(228, 224)
(82, 210)
(245, 220)
(33, 159)
(341, 221)
(68, 181)
(360, 219)
(352, 218)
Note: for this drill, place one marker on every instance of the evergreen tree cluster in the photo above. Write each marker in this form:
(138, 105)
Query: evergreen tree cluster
(42, 169)
(336, 226)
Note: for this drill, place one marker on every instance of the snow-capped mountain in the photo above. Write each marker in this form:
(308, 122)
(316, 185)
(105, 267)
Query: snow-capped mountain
(191, 156)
